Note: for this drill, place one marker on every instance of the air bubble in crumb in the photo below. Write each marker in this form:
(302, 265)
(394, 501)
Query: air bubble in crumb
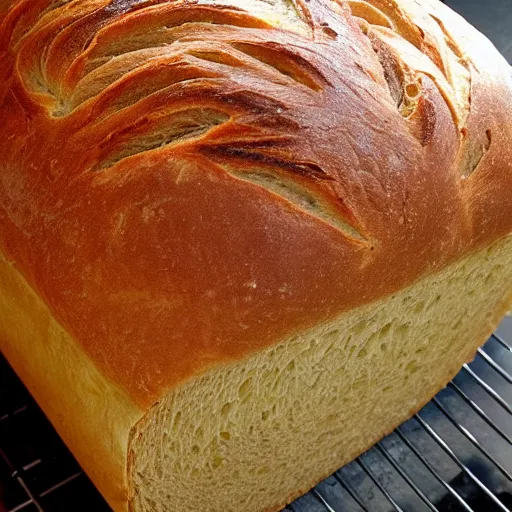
(412, 367)
(225, 409)
(176, 421)
(412, 90)
(217, 462)
(244, 387)
(385, 330)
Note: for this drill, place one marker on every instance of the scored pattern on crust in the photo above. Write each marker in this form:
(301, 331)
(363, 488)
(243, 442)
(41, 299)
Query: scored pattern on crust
(382, 21)
(432, 52)
(187, 78)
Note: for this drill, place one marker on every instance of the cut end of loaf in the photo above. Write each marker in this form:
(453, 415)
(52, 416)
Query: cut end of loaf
(250, 435)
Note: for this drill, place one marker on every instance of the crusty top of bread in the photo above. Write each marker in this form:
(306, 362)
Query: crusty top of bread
(186, 182)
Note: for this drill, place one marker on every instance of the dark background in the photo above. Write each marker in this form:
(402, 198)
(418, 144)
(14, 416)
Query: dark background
(492, 17)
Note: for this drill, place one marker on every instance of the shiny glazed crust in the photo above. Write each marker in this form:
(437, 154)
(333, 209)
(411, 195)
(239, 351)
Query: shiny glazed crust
(185, 183)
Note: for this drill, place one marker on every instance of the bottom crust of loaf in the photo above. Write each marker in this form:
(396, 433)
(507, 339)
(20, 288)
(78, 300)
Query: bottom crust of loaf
(255, 434)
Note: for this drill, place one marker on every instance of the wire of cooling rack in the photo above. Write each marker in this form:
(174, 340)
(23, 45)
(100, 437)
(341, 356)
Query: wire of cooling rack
(455, 454)
(431, 469)
(471, 438)
(480, 412)
(488, 389)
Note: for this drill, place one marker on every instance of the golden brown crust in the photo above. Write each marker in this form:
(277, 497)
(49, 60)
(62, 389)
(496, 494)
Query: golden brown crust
(93, 417)
(185, 184)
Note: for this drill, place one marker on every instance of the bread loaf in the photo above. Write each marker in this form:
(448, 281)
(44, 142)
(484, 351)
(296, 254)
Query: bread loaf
(242, 240)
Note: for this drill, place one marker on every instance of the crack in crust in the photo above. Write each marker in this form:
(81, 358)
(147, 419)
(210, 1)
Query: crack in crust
(135, 60)
(449, 69)
(101, 45)
(389, 27)
(109, 57)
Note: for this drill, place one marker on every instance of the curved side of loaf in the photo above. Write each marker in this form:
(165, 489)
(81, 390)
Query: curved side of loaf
(186, 186)
(94, 418)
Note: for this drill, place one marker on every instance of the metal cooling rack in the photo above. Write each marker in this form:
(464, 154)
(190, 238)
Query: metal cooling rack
(454, 455)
